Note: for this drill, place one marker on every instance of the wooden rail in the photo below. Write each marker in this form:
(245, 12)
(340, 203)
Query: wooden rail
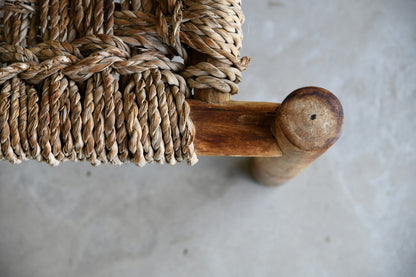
(234, 128)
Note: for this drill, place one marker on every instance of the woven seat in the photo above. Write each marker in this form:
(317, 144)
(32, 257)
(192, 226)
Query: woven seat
(104, 81)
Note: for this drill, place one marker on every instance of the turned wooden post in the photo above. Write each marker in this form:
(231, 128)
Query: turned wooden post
(308, 122)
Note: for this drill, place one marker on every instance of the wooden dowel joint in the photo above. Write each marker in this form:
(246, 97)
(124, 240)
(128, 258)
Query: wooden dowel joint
(303, 127)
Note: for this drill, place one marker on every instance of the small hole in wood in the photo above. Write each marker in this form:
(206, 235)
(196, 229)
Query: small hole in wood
(312, 117)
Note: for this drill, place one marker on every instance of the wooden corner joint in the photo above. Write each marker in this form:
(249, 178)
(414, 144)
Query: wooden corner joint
(234, 128)
(283, 138)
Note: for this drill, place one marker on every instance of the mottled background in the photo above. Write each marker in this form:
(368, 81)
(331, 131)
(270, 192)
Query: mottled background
(352, 213)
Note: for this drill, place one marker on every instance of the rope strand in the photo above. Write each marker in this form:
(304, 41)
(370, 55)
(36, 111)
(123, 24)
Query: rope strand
(97, 81)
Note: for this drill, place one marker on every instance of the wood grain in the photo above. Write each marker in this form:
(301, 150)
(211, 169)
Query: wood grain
(234, 128)
(308, 122)
(231, 128)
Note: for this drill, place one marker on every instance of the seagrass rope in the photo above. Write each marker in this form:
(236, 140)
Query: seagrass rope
(99, 80)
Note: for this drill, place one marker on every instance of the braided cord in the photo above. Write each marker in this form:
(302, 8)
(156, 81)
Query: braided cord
(96, 80)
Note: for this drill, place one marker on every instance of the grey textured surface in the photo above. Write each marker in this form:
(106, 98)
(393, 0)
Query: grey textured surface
(352, 213)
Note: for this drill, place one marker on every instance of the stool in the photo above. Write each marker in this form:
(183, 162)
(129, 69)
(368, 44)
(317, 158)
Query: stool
(146, 81)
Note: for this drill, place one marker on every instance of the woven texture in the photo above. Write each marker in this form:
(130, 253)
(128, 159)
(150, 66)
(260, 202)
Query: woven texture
(104, 81)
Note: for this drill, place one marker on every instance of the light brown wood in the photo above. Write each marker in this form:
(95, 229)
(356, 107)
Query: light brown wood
(231, 128)
(234, 128)
(308, 122)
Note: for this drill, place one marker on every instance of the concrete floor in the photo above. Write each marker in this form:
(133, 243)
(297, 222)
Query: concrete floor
(352, 213)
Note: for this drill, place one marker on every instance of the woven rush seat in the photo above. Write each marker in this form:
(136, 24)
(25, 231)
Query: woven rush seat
(107, 81)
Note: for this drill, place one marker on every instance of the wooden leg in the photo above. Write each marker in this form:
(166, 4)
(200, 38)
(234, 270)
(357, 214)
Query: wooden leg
(308, 122)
